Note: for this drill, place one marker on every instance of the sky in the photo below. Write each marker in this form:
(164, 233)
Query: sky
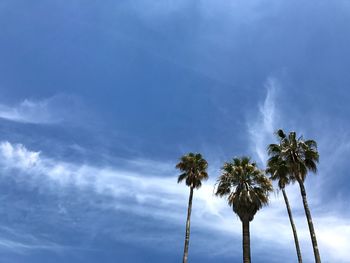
(99, 99)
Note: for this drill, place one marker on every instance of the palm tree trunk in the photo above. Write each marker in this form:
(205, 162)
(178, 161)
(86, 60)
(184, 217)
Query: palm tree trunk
(296, 241)
(187, 237)
(246, 241)
(310, 223)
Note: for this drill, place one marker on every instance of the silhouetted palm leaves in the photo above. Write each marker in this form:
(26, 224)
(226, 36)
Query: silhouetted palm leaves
(194, 171)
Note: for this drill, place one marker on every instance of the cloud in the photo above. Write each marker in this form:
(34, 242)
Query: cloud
(51, 110)
(18, 156)
(19, 247)
(18, 242)
(146, 195)
(262, 128)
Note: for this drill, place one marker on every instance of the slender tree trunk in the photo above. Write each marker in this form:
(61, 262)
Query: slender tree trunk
(188, 222)
(310, 223)
(296, 241)
(246, 241)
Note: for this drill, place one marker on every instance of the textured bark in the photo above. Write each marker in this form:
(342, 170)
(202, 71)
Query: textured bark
(188, 223)
(296, 241)
(246, 241)
(310, 223)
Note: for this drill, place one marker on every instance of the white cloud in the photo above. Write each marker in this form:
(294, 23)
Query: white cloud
(261, 129)
(46, 111)
(18, 156)
(27, 112)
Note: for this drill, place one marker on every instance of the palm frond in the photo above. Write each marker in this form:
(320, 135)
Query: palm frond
(273, 149)
(292, 158)
(280, 133)
(245, 186)
(181, 177)
(194, 167)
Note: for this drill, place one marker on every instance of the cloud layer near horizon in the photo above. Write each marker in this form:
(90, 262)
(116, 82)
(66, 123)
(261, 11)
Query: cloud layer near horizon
(146, 195)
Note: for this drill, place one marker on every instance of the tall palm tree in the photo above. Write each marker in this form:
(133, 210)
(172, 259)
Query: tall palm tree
(300, 156)
(247, 189)
(194, 168)
(278, 170)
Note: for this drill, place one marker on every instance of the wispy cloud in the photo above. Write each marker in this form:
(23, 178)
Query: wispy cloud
(19, 242)
(262, 128)
(144, 194)
(46, 111)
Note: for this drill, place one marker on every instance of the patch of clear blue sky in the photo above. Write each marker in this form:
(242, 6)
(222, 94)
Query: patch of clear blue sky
(157, 80)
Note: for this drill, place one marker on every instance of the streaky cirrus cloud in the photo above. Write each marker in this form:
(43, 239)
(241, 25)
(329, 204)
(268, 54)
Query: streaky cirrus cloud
(53, 110)
(17, 241)
(262, 128)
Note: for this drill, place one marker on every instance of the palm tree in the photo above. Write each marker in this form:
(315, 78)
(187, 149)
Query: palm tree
(194, 168)
(247, 189)
(279, 171)
(299, 156)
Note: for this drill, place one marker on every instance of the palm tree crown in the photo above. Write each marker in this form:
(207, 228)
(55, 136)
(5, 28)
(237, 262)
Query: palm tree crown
(194, 168)
(294, 156)
(245, 185)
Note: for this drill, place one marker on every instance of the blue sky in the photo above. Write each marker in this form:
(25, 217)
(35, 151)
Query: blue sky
(100, 99)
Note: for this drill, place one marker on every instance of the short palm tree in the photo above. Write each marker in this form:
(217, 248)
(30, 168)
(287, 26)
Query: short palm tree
(299, 156)
(278, 170)
(247, 190)
(194, 170)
